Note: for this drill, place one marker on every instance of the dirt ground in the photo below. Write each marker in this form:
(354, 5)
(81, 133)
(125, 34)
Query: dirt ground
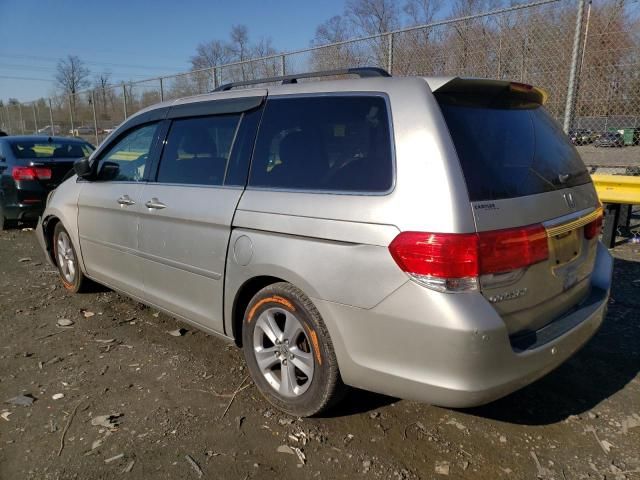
(175, 416)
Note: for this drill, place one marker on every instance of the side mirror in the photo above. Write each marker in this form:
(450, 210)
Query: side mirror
(82, 167)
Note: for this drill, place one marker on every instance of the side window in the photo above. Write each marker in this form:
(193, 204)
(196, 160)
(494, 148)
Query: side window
(197, 150)
(127, 160)
(238, 166)
(340, 143)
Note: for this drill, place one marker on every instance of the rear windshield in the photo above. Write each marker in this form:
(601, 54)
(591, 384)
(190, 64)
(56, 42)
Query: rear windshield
(50, 150)
(509, 149)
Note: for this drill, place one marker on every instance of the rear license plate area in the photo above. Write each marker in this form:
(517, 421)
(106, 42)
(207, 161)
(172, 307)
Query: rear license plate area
(565, 247)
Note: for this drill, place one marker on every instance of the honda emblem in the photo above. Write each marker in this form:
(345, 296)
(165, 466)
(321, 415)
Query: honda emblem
(571, 203)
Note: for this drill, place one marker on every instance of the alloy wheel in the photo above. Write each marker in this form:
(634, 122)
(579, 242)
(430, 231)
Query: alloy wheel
(283, 352)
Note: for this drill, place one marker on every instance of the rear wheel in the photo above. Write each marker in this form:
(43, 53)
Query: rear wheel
(68, 266)
(289, 352)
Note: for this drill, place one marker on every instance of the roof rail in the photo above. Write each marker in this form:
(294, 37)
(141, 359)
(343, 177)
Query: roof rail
(362, 72)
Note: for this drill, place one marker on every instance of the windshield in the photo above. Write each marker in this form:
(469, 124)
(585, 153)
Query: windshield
(50, 150)
(508, 148)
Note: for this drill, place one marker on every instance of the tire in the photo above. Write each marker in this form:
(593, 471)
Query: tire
(275, 312)
(69, 269)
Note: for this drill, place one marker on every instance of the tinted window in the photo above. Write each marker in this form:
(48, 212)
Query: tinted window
(324, 143)
(197, 150)
(58, 149)
(127, 160)
(238, 167)
(510, 150)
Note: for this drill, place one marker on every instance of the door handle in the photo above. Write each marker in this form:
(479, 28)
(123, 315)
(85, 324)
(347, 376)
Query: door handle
(155, 204)
(126, 200)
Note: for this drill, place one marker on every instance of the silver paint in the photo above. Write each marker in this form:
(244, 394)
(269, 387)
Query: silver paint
(189, 259)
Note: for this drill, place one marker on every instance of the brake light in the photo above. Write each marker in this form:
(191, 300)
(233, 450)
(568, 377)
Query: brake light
(444, 255)
(506, 250)
(593, 229)
(31, 173)
(453, 262)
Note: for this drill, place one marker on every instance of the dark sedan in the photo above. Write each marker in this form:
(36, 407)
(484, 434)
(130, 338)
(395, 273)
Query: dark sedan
(609, 139)
(30, 167)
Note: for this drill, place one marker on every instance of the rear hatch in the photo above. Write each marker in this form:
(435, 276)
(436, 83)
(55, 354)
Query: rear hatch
(521, 170)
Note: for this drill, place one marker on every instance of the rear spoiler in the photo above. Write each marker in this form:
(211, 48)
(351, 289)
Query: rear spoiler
(488, 88)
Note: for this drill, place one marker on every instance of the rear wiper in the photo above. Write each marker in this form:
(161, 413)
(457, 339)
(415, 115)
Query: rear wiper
(541, 177)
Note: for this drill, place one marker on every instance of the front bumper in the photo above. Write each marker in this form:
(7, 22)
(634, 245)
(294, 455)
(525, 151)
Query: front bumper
(453, 349)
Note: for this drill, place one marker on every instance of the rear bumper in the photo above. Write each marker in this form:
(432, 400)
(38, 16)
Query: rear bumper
(453, 349)
(23, 211)
(24, 202)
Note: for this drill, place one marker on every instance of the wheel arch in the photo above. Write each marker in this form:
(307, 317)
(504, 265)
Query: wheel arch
(48, 227)
(242, 298)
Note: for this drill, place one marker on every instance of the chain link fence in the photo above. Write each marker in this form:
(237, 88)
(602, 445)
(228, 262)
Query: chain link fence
(540, 43)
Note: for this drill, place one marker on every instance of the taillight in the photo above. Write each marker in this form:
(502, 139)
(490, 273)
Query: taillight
(505, 250)
(31, 173)
(454, 261)
(445, 255)
(593, 229)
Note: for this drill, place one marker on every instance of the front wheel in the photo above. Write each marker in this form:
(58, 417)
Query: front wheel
(289, 352)
(67, 260)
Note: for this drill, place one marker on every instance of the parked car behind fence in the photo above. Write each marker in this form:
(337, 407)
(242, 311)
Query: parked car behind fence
(609, 139)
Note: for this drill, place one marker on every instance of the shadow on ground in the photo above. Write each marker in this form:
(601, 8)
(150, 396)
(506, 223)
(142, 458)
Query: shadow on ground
(359, 401)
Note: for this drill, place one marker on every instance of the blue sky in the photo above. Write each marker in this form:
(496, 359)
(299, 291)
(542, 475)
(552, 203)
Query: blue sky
(135, 39)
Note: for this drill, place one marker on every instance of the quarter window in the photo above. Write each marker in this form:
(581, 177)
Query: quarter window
(197, 150)
(322, 143)
(128, 159)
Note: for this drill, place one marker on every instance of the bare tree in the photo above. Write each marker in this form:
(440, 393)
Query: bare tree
(211, 54)
(360, 18)
(421, 12)
(102, 87)
(336, 29)
(72, 76)
(268, 67)
(372, 17)
(414, 50)
(239, 46)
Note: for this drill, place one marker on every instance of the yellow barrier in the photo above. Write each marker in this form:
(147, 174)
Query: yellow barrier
(617, 188)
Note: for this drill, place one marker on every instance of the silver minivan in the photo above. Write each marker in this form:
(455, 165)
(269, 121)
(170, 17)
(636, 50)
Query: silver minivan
(428, 238)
